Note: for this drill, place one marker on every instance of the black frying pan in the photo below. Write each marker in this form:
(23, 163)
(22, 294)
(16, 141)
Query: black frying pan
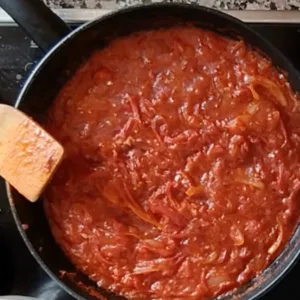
(66, 51)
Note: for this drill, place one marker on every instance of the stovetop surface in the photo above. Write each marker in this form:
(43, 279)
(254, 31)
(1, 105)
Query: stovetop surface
(20, 274)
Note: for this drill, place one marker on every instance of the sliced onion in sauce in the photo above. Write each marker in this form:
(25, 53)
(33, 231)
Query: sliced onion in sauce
(254, 93)
(278, 241)
(206, 260)
(268, 84)
(236, 235)
(253, 181)
(164, 265)
(239, 123)
(211, 257)
(252, 108)
(216, 280)
(195, 190)
(257, 184)
(111, 194)
(162, 247)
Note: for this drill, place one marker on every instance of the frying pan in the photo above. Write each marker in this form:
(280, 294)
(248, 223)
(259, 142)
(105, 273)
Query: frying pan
(64, 52)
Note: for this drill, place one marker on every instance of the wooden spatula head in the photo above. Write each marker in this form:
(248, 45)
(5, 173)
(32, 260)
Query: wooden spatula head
(29, 156)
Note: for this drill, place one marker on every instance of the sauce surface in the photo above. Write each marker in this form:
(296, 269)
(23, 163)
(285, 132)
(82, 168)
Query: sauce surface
(182, 165)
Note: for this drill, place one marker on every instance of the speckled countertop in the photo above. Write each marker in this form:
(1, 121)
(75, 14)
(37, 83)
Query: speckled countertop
(222, 4)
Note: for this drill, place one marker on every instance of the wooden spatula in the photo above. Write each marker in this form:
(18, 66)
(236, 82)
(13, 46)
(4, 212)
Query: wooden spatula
(28, 154)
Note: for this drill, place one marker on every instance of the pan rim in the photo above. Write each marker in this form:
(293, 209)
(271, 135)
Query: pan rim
(260, 289)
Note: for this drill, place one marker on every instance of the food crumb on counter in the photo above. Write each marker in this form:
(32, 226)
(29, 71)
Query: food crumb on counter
(25, 226)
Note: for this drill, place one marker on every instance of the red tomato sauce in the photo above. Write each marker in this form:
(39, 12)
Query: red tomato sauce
(182, 165)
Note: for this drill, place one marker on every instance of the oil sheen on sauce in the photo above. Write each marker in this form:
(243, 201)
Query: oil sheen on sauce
(182, 165)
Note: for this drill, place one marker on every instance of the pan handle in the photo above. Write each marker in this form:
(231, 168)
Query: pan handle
(40, 23)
